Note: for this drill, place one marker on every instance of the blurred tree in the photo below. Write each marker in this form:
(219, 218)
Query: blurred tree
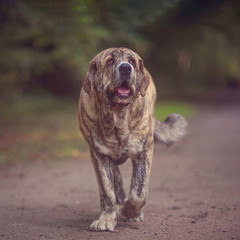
(206, 31)
(47, 45)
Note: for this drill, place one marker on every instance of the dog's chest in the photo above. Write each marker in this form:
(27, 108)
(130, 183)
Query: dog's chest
(122, 134)
(121, 142)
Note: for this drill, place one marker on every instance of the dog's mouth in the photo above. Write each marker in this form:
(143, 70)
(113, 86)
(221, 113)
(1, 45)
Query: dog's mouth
(123, 91)
(121, 94)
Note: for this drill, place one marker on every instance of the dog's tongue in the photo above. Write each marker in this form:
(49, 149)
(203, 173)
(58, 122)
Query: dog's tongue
(123, 90)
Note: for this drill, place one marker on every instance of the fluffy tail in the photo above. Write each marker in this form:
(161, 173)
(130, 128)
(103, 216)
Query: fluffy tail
(171, 130)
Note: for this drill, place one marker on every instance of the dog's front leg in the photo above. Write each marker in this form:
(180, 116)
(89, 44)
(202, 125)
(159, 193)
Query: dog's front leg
(133, 208)
(103, 166)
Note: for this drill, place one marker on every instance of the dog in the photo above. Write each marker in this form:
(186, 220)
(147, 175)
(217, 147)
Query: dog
(116, 117)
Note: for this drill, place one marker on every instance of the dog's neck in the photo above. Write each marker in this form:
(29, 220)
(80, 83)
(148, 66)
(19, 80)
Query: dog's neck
(120, 115)
(116, 117)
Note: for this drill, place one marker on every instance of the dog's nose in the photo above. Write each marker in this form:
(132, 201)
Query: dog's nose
(125, 68)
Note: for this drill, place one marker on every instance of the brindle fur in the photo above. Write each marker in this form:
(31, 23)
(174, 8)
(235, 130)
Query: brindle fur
(120, 129)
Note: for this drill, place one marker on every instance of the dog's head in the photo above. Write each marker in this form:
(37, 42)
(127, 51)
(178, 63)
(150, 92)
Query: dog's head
(117, 76)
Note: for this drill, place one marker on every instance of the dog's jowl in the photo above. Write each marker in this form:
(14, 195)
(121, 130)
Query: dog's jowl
(116, 117)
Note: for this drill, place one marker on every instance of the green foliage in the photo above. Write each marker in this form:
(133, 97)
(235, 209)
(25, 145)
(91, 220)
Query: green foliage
(197, 45)
(47, 45)
(39, 35)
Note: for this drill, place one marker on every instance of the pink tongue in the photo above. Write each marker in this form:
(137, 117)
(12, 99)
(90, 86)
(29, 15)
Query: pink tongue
(123, 90)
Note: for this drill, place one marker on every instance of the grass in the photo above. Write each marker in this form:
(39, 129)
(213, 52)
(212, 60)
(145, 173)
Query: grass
(162, 110)
(41, 128)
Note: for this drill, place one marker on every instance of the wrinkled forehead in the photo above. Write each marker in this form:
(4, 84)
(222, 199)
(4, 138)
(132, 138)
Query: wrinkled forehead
(116, 53)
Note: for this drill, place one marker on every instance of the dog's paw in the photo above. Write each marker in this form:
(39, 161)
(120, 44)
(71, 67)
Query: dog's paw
(137, 219)
(133, 210)
(102, 225)
(106, 222)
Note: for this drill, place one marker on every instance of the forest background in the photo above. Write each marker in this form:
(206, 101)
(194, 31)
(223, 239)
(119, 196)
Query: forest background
(190, 47)
(46, 46)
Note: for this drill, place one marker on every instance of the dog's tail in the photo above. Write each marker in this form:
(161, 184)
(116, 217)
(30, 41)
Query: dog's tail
(171, 130)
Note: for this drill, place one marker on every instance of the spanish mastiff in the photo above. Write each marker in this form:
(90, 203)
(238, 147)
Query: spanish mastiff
(116, 117)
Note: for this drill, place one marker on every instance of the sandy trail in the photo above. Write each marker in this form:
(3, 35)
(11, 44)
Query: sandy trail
(194, 190)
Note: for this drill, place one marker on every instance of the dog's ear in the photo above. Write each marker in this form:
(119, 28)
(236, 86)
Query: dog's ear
(145, 78)
(88, 81)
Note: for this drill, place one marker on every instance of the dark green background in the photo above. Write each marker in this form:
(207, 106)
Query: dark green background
(186, 44)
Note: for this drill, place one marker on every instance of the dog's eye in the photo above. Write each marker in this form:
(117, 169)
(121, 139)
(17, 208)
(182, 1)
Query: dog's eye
(132, 62)
(110, 62)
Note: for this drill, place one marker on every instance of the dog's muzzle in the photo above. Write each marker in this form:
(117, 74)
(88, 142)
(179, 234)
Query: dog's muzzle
(125, 71)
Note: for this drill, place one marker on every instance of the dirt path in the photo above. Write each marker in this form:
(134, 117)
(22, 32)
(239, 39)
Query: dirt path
(194, 191)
